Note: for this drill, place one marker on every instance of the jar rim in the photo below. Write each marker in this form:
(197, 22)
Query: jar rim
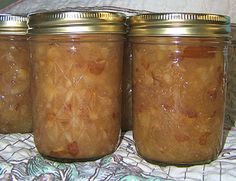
(81, 22)
(180, 24)
(11, 24)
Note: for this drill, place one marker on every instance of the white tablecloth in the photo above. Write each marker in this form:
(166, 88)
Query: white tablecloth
(19, 160)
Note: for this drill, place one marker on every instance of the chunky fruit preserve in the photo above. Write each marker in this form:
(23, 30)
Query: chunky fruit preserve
(15, 99)
(77, 95)
(178, 94)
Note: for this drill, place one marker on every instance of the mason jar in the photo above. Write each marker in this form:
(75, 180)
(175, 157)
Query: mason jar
(15, 100)
(231, 85)
(77, 66)
(179, 86)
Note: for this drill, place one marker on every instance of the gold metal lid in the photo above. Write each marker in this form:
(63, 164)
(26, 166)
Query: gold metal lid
(13, 24)
(82, 22)
(180, 24)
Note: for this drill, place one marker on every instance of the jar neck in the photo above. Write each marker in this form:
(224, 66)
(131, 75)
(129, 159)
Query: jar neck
(77, 37)
(13, 37)
(179, 40)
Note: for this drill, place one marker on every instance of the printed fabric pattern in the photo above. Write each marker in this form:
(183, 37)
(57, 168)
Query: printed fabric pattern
(19, 160)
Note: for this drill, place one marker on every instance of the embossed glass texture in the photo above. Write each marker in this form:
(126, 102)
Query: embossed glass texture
(77, 95)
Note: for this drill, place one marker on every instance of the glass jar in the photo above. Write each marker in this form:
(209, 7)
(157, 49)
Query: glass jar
(178, 86)
(15, 100)
(231, 85)
(77, 66)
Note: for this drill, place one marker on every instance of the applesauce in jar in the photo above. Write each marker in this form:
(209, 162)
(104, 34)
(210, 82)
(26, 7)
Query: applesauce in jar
(77, 67)
(179, 86)
(15, 100)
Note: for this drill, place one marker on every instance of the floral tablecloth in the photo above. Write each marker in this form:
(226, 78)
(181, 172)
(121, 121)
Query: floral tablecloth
(19, 160)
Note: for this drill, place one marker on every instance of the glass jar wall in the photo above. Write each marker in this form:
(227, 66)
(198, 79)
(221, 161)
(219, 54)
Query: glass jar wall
(15, 99)
(77, 86)
(178, 89)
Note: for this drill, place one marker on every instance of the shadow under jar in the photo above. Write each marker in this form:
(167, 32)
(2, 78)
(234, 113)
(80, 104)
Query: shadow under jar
(179, 86)
(15, 99)
(77, 68)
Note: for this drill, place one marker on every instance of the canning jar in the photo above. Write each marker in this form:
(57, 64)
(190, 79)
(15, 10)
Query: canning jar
(179, 86)
(77, 66)
(231, 85)
(15, 100)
